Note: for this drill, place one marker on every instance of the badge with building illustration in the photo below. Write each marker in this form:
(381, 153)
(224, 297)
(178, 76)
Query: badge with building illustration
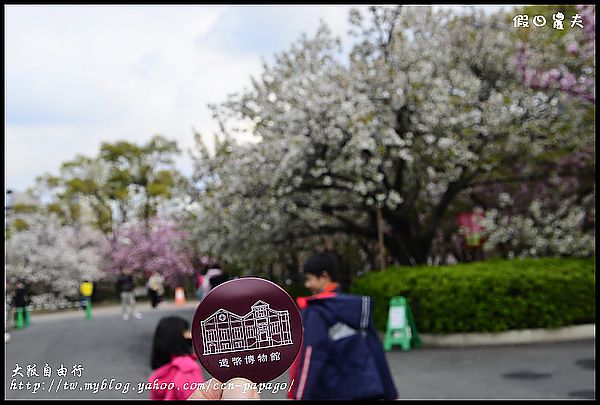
(247, 327)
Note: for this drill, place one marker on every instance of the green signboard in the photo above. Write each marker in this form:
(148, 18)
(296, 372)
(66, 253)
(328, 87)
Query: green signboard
(401, 326)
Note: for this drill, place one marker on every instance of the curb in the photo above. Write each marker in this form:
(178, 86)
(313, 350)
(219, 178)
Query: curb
(112, 310)
(512, 337)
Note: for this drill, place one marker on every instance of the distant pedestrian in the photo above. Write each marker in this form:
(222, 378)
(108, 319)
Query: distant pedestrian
(155, 288)
(7, 319)
(218, 279)
(208, 283)
(86, 289)
(199, 284)
(173, 360)
(341, 356)
(125, 291)
(20, 298)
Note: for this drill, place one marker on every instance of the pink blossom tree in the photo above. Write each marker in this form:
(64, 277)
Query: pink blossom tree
(562, 60)
(161, 247)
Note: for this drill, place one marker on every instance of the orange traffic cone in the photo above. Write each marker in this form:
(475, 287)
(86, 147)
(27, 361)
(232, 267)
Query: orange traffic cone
(179, 296)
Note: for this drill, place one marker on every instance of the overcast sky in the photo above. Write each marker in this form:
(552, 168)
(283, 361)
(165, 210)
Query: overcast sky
(77, 76)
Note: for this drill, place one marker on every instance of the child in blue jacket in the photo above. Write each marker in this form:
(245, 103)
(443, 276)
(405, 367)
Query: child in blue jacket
(341, 356)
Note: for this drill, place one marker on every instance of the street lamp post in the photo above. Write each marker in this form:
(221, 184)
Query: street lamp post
(8, 206)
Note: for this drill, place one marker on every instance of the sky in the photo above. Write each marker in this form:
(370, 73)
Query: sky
(80, 75)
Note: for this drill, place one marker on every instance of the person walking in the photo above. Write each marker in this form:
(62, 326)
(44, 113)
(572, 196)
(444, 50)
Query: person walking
(20, 300)
(342, 356)
(125, 291)
(155, 288)
(213, 277)
(200, 284)
(86, 289)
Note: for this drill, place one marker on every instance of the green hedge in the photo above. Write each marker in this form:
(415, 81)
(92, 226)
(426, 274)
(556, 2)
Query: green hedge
(488, 296)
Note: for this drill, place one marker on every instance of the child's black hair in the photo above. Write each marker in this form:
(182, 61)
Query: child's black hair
(320, 262)
(169, 341)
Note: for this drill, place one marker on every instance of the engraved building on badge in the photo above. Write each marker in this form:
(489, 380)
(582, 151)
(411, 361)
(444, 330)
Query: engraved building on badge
(261, 328)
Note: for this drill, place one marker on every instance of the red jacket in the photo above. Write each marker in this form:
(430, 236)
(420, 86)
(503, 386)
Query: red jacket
(180, 370)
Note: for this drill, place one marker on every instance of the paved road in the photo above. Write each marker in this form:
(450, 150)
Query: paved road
(109, 348)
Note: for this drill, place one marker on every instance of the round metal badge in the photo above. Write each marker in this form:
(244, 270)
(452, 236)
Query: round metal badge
(247, 327)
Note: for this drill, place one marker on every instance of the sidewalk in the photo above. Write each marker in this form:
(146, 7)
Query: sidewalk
(111, 310)
(512, 337)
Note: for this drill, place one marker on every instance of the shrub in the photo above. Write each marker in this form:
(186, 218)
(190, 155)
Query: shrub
(489, 296)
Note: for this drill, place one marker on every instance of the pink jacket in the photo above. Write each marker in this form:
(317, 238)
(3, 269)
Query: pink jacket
(182, 369)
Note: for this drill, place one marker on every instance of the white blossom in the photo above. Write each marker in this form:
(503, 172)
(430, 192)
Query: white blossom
(543, 233)
(57, 257)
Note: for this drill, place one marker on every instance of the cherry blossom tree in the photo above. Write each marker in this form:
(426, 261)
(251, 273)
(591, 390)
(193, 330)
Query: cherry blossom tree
(428, 105)
(55, 258)
(161, 247)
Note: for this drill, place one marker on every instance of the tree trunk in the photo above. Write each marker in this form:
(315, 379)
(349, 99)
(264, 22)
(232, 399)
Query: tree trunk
(406, 245)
